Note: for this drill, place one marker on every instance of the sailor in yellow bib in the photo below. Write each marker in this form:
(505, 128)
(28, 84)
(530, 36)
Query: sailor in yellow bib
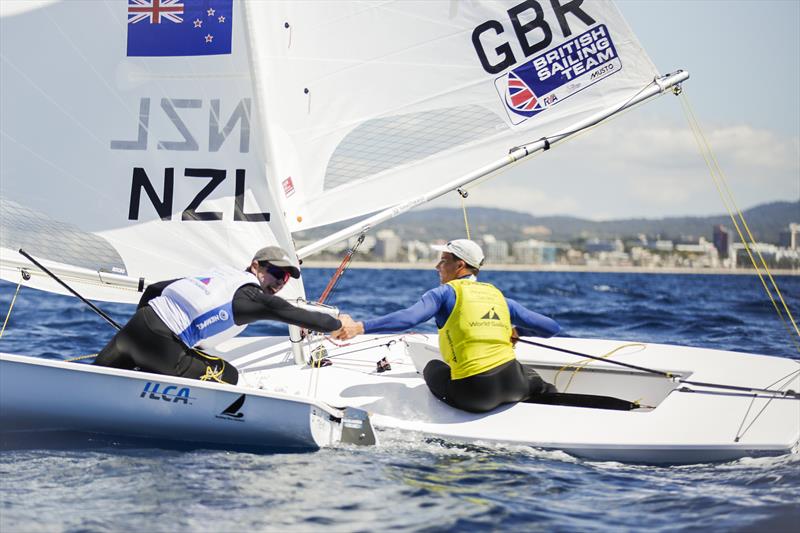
(479, 371)
(477, 335)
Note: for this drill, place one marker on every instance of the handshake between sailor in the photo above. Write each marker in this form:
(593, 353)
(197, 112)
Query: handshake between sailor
(350, 328)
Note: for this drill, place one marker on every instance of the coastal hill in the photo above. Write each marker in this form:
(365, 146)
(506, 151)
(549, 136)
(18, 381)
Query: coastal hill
(765, 221)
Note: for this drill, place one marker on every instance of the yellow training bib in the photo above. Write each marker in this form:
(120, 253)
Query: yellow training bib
(477, 334)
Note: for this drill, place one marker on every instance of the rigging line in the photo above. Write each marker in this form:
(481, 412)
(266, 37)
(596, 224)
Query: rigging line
(725, 201)
(334, 281)
(80, 357)
(788, 377)
(758, 415)
(384, 345)
(580, 365)
(463, 194)
(675, 377)
(10, 307)
(718, 179)
(316, 365)
(740, 433)
(71, 290)
(724, 183)
(729, 202)
(744, 418)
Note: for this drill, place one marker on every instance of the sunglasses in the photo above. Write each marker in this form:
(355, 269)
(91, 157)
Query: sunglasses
(280, 274)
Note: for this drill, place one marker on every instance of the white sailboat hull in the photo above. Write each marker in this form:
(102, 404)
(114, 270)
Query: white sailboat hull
(287, 406)
(675, 426)
(47, 398)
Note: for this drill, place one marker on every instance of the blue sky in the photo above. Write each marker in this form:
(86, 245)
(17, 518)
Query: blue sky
(744, 61)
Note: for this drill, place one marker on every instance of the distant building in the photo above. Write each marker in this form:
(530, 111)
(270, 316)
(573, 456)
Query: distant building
(496, 251)
(722, 241)
(533, 252)
(662, 245)
(758, 251)
(387, 245)
(790, 237)
(597, 245)
(700, 254)
(418, 251)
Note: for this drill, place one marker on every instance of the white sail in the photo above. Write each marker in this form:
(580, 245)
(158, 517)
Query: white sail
(370, 103)
(118, 157)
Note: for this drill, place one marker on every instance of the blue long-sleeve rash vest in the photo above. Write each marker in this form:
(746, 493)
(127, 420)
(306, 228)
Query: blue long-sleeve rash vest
(439, 303)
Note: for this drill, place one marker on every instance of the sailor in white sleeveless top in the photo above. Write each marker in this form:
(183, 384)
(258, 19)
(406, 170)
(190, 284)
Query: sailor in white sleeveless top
(176, 319)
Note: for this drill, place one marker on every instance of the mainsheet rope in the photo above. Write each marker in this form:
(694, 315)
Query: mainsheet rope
(674, 376)
(464, 195)
(10, 307)
(718, 177)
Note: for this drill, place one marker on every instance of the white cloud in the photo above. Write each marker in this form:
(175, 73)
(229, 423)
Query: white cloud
(629, 168)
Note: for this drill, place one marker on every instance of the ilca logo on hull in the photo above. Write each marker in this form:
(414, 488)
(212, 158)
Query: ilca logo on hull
(232, 412)
(167, 393)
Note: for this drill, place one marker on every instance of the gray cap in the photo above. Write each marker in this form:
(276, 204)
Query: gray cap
(277, 256)
(465, 249)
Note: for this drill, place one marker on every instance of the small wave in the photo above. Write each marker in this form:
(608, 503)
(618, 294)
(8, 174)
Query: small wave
(605, 288)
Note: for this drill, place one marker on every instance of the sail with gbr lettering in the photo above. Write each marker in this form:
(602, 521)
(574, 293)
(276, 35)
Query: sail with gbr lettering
(369, 103)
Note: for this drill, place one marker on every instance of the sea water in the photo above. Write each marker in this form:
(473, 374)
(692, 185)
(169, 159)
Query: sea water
(410, 482)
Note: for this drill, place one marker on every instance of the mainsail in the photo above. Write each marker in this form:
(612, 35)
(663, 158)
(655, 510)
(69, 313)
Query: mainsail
(370, 103)
(129, 140)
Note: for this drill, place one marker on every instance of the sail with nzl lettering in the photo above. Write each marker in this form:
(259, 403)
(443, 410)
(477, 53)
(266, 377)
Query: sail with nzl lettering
(142, 163)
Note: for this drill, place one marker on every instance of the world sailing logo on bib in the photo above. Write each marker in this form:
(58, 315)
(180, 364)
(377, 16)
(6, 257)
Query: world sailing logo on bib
(179, 27)
(558, 73)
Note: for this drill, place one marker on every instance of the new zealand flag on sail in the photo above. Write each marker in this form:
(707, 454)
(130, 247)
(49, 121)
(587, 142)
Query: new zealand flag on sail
(179, 27)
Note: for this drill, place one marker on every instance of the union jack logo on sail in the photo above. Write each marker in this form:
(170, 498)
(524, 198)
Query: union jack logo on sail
(519, 96)
(139, 10)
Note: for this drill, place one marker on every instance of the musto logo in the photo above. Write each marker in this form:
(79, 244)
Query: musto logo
(558, 73)
(167, 393)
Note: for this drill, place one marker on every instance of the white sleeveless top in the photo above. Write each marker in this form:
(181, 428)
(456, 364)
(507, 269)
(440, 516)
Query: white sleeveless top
(200, 310)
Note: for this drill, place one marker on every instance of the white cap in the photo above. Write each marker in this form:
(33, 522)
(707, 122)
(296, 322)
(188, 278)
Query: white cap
(465, 249)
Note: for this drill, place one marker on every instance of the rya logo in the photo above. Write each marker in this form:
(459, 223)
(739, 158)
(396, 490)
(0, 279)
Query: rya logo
(169, 393)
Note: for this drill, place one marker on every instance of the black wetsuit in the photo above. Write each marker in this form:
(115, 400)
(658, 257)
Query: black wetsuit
(507, 383)
(146, 343)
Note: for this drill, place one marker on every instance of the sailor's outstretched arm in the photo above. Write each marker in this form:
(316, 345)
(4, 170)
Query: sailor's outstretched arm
(251, 304)
(531, 323)
(405, 319)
